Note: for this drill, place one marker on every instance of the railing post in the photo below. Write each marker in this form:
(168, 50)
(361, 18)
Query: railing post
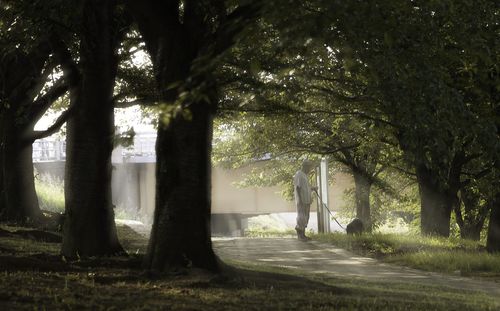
(319, 206)
(324, 195)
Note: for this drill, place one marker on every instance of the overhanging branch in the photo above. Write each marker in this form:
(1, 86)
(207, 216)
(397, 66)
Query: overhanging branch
(56, 126)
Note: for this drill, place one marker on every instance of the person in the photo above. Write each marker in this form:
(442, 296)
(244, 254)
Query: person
(303, 198)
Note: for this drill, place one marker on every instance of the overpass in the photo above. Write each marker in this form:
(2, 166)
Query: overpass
(133, 184)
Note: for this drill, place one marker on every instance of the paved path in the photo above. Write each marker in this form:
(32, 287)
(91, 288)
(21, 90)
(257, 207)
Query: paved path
(327, 260)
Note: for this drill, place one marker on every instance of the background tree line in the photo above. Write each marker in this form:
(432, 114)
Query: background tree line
(381, 88)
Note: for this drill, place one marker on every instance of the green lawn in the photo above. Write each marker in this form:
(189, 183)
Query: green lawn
(447, 255)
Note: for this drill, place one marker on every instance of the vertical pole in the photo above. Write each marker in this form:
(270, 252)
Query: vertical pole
(324, 194)
(57, 150)
(319, 207)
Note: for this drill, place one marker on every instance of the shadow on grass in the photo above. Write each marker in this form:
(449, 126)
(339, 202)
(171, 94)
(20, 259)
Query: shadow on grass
(34, 275)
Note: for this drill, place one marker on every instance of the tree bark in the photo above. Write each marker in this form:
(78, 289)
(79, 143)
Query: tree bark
(435, 203)
(493, 239)
(89, 227)
(362, 199)
(175, 40)
(23, 76)
(181, 234)
(181, 231)
(471, 221)
(21, 202)
(2, 184)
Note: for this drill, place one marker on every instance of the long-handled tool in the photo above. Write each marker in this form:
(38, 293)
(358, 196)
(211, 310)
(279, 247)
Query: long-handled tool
(324, 205)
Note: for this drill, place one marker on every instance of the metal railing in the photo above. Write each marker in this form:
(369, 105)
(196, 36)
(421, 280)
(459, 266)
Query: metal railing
(46, 150)
(49, 150)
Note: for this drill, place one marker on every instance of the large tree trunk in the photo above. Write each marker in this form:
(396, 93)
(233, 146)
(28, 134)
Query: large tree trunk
(181, 235)
(181, 230)
(362, 198)
(89, 228)
(20, 199)
(435, 203)
(175, 39)
(493, 240)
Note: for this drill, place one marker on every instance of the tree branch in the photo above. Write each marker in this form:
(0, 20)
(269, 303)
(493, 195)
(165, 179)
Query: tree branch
(140, 102)
(56, 126)
(43, 103)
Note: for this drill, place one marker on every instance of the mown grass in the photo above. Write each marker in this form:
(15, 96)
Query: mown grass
(50, 192)
(372, 295)
(268, 233)
(449, 255)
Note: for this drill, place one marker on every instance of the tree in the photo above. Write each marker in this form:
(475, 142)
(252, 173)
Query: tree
(412, 56)
(89, 227)
(283, 103)
(24, 97)
(493, 238)
(183, 38)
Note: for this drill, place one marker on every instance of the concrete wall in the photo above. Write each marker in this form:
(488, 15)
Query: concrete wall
(134, 189)
(228, 198)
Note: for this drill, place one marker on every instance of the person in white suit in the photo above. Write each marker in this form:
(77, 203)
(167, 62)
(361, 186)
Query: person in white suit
(303, 198)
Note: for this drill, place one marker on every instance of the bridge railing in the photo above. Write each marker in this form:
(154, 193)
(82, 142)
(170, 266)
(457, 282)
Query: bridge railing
(49, 150)
(144, 145)
(55, 150)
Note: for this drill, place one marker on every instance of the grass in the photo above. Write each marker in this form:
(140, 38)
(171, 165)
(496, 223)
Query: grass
(32, 276)
(50, 192)
(268, 233)
(449, 255)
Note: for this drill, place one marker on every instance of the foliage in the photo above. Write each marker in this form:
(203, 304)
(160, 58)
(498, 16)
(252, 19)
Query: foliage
(398, 84)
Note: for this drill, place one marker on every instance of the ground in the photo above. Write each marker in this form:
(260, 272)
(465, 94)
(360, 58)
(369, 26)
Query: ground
(259, 274)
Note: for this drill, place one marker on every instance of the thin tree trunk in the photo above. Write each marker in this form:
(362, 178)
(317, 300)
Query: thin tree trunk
(2, 150)
(435, 204)
(89, 227)
(493, 240)
(471, 232)
(362, 199)
(471, 221)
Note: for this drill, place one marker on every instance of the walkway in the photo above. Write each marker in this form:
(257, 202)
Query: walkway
(327, 260)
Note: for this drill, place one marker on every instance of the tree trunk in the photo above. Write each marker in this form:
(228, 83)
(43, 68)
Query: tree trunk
(493, 240)
(2, 148)
(89, 227)
(181, 230)
(435, 203)
(471, 221)
(362, 198)
(471, 232)
(21, 202)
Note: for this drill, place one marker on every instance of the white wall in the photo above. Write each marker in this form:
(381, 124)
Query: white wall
(227, 198)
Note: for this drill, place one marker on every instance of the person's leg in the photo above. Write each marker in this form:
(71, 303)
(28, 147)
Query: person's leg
(307, 209)
(302, 219)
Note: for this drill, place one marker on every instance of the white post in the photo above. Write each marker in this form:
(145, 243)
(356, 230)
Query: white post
(319, 206)
(324, 195)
